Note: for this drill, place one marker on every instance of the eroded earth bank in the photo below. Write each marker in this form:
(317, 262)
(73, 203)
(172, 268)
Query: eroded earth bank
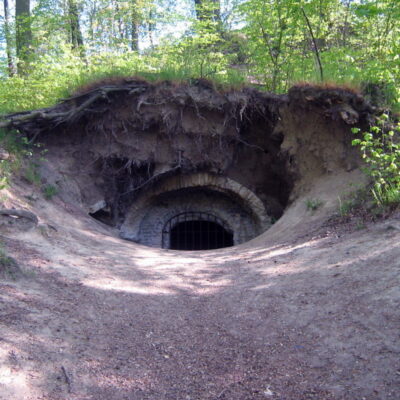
(103, 306)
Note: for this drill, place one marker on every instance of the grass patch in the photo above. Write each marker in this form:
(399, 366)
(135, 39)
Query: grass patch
(313, 204)
(387, 196)
(56, 78)
(49, 191)
(20, 159)
(8, 142)
(368, 203)
(346, 206)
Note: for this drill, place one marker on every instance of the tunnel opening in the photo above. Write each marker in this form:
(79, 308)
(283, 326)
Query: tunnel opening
(104, 216)
(155, 214)
(199, 235)
(126, 141)
(196, 231)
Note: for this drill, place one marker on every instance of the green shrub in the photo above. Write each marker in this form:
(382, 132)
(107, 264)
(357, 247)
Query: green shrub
(8, 141)
(345, 207)
(313, 204)
(381, 151)
(49, 191)
(20, 158)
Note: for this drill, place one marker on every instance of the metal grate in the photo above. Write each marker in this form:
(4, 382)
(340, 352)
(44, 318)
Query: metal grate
(196, 231)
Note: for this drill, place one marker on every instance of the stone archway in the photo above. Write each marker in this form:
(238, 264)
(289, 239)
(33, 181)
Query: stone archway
(201, 192)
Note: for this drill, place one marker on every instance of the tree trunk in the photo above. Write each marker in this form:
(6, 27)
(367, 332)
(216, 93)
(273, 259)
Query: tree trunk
(134, 36)
(315, 46)
(134, 26)
(23, 33)
(92, 12)
(10, 61)
(151, 28)
(217, 11)
(120, 23)
(75, 30)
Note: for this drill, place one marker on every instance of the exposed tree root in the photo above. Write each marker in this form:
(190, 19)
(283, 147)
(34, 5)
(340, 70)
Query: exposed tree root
(20, 214)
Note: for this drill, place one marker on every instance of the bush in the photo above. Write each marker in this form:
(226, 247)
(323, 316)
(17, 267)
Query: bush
(49, 191)
(381, 151)
(313, 204)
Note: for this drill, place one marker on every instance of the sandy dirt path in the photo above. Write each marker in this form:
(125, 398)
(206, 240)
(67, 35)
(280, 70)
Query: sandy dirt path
(98, 318)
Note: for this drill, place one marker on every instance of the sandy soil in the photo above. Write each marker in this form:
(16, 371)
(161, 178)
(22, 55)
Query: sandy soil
(93, 317)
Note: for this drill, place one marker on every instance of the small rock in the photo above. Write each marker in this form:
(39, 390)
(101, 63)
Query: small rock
(4, 154)
(97, 206)
(268, 392)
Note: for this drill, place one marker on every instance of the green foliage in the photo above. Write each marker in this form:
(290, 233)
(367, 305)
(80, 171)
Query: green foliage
(357, 198)
(386, 196)
(346, 206)
(9, 142)
(357, 42)
(49, 191)
(313, 204)
(20, 159)
(54, 78)
(263, 42)
(13, 143)
(381, 151)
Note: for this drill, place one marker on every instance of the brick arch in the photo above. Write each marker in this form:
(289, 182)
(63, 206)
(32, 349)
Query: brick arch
(191, 216)
(198, 180)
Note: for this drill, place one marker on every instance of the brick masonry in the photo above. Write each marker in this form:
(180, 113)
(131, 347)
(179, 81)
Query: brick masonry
(240, 209)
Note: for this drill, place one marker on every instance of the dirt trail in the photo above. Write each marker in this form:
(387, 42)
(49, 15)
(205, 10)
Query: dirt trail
(96, 317)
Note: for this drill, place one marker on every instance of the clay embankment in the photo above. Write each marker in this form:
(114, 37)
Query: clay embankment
(304, 311)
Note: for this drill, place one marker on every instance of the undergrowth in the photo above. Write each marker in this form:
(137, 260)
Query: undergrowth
(49, 191)
(380, 149)
(21, 161)
(313, 204)
(10, 143)
(358, 200)
(57, 76)
(54, 79)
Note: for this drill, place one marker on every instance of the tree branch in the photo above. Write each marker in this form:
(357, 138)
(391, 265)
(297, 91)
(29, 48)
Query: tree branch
(315, 45)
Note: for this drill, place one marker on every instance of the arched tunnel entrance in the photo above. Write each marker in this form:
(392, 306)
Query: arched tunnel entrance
(195, 212)
(137, 154)
(196, 231)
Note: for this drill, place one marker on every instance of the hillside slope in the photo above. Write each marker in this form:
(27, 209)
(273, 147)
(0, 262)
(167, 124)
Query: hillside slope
(315, 316)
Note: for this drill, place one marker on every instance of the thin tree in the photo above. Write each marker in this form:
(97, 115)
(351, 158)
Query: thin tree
(134, 25)
(75, 30)
(315, 46)
(23, 34)
(10, 61)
